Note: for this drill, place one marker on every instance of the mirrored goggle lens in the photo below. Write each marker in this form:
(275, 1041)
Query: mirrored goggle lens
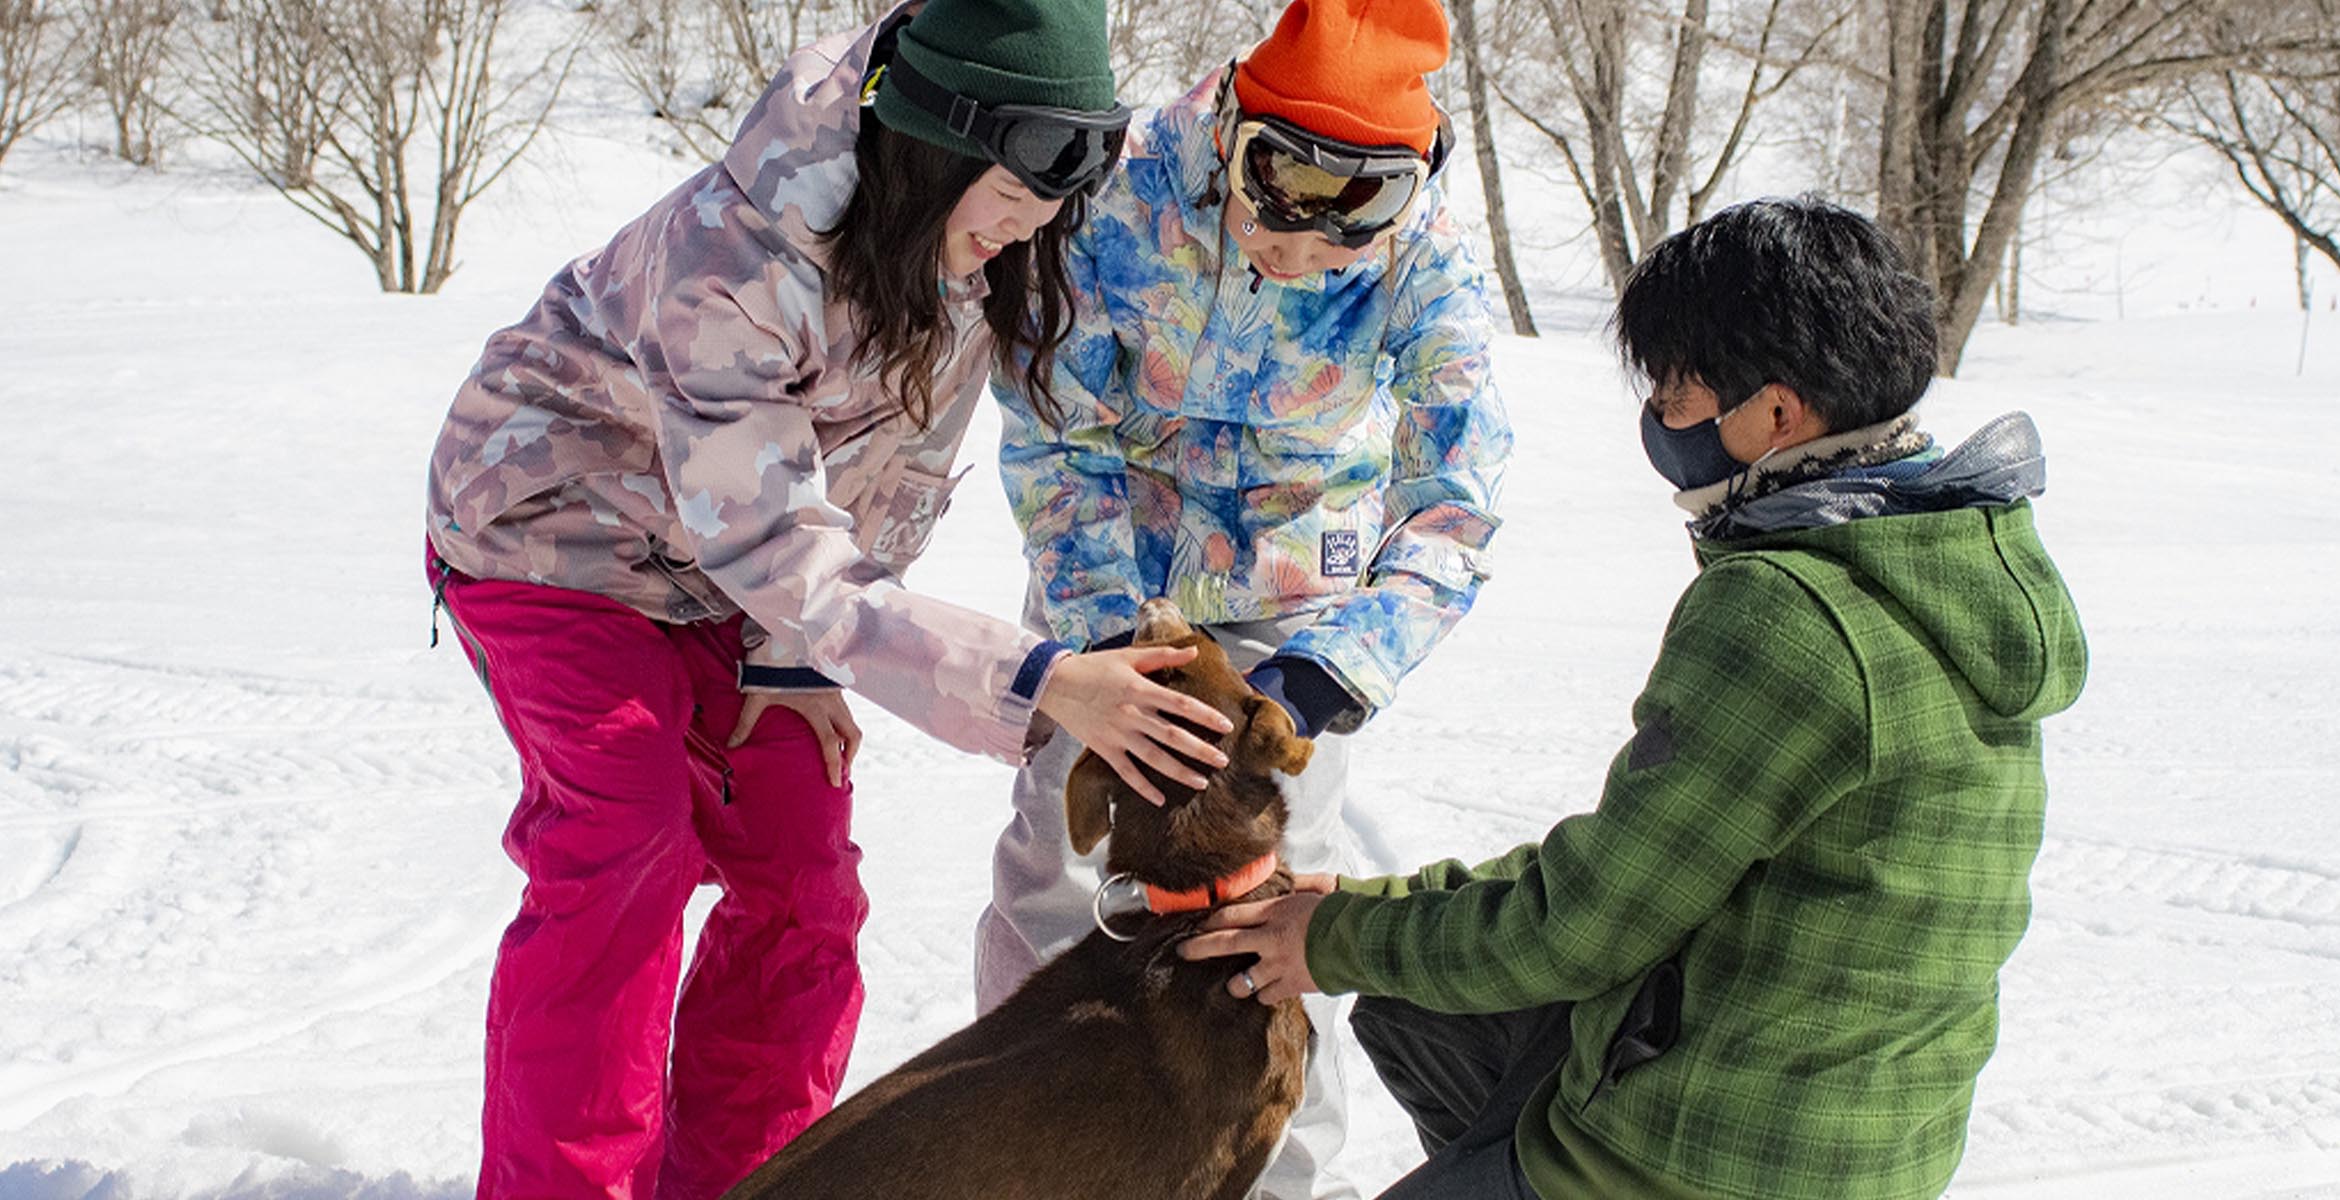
(1303, 192)
(1057, 158)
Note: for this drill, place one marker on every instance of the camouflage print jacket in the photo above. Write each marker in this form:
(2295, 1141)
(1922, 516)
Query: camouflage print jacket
(679, 424)
(1255, 450)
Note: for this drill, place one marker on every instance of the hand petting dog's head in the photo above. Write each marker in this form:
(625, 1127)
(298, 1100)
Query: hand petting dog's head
(1199, 834)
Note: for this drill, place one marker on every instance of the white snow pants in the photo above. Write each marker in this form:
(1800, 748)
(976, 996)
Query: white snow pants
(1040, 906)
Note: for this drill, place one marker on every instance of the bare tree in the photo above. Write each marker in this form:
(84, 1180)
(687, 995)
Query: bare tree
(1974, 91)
(1466, 27)
(2277, 124)
(1162, 47)
(264, 86)
(1651, 106)
(128, 42)
(38, 79)
(699, 64)
(659, 51)
(327, 100)
(2075, 173)
(483, 123)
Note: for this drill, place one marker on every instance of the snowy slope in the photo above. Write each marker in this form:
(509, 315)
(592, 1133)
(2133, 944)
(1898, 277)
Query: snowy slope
(249, 873)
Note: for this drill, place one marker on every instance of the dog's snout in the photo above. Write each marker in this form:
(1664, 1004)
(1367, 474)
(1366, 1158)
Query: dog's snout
(1160, 621)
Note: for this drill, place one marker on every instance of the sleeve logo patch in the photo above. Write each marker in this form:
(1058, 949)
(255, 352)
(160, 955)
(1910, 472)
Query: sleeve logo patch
(1341, 556)
(1653, 743)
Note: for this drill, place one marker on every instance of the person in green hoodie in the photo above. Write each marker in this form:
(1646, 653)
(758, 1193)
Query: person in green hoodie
(1766, 964)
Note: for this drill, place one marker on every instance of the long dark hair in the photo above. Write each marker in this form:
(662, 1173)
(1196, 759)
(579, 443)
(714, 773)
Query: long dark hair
(883, 258)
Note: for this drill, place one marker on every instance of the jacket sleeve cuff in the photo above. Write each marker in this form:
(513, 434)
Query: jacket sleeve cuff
(1307, 690)
(1388, 887)
(1334, 959)
(1033, 675)
(759, 677)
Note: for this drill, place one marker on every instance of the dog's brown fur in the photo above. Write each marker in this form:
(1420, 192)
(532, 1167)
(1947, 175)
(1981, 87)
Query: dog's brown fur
(1119, 1070)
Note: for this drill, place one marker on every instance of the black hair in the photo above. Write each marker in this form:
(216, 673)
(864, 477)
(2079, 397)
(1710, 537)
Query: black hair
(1793, 291)
(884, 255)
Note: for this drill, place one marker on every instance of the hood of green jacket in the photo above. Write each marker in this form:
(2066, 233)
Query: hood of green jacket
(1962, 558)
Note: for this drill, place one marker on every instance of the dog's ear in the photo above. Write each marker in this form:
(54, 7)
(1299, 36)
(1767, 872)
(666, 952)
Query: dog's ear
(1088, 802)
(1271, 740)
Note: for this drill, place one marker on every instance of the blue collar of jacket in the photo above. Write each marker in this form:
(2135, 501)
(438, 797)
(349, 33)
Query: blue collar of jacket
(1879, 471)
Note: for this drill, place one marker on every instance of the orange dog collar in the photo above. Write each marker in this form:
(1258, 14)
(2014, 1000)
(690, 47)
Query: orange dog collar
(1125, 893)
(1218, 891)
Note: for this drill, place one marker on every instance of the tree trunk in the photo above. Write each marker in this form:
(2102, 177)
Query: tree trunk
(1898, 142)
(1466, 22)
(2299, 267)
(1671, 160)
(446, 213)
(2011, 301)
(1961, 302)
(1945, 174)
(1600, 101)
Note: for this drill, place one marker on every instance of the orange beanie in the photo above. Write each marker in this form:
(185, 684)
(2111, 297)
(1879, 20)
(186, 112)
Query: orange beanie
(1350, 69)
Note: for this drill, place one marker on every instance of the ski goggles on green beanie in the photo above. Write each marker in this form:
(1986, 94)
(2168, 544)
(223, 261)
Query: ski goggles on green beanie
(1296, 181)
(1053, 151)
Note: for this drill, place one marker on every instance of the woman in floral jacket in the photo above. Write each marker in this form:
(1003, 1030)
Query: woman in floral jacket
(682, 491)
(1276, 408)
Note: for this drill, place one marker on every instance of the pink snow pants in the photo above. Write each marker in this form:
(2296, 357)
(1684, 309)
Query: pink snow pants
(598, 1083)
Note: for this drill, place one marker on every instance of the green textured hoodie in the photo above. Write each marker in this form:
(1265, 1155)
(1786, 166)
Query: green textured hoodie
(1783, 925)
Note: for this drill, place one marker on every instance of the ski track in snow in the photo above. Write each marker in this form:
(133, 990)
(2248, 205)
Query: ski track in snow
(2265, 888)
(250, 880)
(441, 951)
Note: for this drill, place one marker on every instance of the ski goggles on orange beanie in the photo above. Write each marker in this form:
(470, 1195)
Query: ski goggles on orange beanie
(1053, 151)
(1296, 181)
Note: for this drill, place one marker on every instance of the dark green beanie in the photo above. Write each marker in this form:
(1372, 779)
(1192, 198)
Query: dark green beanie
(1002, 52)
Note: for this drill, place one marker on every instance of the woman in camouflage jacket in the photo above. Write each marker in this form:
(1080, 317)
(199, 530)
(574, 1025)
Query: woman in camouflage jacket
(682, 491)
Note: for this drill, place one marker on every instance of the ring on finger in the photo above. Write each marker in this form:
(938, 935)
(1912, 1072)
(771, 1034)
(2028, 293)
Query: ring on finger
(1250, 985)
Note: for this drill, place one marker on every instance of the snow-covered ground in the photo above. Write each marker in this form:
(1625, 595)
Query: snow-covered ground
(249, 874)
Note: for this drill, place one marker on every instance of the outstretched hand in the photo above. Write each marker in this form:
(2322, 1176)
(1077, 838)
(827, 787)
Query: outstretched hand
(1275, 930)
(1104, 699)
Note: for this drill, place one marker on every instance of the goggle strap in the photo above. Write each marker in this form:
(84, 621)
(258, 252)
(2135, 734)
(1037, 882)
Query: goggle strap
(962, 114)
(1315, 144)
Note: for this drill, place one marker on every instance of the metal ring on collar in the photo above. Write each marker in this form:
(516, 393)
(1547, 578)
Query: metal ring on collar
(1097, 904)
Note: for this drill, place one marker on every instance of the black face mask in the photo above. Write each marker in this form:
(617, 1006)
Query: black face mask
(1689, 458)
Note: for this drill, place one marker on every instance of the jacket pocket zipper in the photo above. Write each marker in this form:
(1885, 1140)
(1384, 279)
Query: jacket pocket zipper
(1650, 1027)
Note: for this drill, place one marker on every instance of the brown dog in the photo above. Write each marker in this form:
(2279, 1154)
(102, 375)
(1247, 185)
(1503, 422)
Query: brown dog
(1120, 1070)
